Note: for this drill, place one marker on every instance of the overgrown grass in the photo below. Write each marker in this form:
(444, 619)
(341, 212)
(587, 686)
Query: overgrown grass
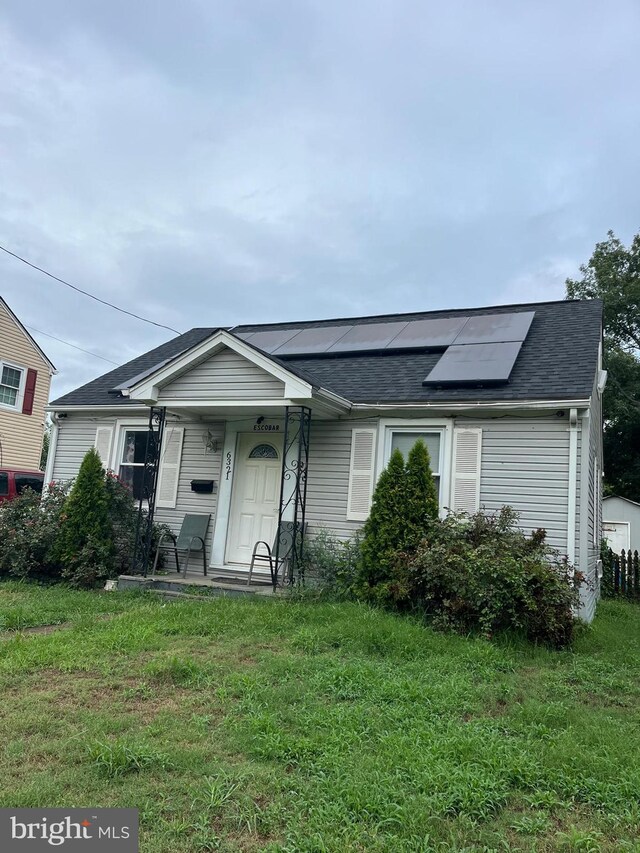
(296, 726)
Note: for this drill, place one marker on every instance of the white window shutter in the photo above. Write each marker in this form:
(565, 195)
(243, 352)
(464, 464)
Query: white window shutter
(361, 473)
(104, 437)
(169, 474)
(465, 480)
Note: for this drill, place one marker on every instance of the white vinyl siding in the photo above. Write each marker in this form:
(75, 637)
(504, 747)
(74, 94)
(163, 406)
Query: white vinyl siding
(328, 482)
(525, 464)
(224, 376)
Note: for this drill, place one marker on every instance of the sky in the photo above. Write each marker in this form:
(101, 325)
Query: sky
(209, 163)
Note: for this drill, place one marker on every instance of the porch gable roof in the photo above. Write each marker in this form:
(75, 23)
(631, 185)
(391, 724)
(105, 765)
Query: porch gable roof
(146, 387)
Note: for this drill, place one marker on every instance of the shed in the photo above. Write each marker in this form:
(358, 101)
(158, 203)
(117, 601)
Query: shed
(621, 523)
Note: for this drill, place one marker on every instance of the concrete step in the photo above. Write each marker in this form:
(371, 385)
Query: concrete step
(192, 587)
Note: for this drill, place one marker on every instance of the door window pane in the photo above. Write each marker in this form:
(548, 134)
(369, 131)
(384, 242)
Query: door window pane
(4, 484)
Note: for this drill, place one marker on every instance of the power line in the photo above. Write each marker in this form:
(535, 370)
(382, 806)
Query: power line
(86, 293)
(53, 337)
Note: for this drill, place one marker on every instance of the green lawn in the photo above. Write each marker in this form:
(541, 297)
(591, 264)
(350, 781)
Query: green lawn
(291, 726)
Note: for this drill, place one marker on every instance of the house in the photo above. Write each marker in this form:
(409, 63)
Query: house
(295, 421)
(621, 523)
(25, 380)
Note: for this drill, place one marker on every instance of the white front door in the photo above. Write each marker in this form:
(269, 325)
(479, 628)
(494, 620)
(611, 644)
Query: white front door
(617, 534)
(255, 495)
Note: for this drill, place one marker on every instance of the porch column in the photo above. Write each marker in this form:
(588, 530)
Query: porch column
(293, 490)
(144, 525)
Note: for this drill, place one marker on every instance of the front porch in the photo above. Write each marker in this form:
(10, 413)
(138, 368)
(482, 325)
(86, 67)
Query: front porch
(250, 482)
(196, 585)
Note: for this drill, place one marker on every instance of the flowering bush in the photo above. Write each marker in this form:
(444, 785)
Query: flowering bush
(29, 527)
(481, 573)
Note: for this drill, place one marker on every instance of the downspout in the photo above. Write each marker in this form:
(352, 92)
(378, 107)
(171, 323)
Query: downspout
(573, 487)
(51, 455)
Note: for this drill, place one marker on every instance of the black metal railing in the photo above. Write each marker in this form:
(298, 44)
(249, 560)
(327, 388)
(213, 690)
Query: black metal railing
(147, 502)
(293, 493)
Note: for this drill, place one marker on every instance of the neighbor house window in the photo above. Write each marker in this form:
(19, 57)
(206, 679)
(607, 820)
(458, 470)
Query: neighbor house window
(10, 385)
(131, 470)
(404, 439)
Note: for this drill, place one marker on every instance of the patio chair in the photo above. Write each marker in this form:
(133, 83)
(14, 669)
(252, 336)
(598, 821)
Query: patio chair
(192, 538)
(269, 552)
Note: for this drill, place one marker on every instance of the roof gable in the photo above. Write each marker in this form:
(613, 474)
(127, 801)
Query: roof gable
(206, 362)
(30, 339)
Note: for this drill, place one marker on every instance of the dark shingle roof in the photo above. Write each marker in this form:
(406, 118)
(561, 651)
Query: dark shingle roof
(558, 360)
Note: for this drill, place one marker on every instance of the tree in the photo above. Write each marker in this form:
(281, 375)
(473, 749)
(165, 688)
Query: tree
(384, 529)
(405, 500)
(613, 275)
(421, 497)
(85, 543)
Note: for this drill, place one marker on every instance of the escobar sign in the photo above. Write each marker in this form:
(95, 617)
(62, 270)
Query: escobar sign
(80, 830)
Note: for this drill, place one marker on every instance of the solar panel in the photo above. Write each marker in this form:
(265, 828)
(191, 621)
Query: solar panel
(314, 340)
(438, 332)
(270, 339)
(496, 328)
(473, 363)
(368, 336)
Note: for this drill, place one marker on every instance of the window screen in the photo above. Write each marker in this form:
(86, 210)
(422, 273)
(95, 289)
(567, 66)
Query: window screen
(132, 463)
(10, 378)
(404, 441)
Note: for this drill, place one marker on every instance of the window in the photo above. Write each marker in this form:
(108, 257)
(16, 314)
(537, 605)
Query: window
(263, 451)
(4, 484)
(404, 439)
(131, 470)
(10, 385)
(28, 481)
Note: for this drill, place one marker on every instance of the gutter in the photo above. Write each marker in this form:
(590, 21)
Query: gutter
(506, 404)
(51, 455)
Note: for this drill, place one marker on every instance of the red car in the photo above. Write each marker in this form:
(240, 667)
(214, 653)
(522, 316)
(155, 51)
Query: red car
(14, 480)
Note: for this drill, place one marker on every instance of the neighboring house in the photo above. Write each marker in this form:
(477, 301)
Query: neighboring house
(508, 400)
(621, 523)
(25, 380)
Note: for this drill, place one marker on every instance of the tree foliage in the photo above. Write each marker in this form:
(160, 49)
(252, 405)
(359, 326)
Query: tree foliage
(404, 502)
(384, 528)
(85, 545)
(421, 496)
(613, 275)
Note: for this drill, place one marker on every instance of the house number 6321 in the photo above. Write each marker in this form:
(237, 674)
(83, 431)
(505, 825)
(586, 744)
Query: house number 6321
(228, 466)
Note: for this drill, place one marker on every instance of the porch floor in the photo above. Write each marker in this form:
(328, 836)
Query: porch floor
(218, 583)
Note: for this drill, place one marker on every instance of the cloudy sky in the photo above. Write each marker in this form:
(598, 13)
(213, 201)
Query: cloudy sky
(209, 163)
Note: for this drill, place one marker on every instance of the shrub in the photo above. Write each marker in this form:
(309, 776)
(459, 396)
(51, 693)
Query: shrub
(384, 529)
(85, 545)
(29, 527)
(481, 573)
(405, 500)
(331, 563)
(421, 495)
